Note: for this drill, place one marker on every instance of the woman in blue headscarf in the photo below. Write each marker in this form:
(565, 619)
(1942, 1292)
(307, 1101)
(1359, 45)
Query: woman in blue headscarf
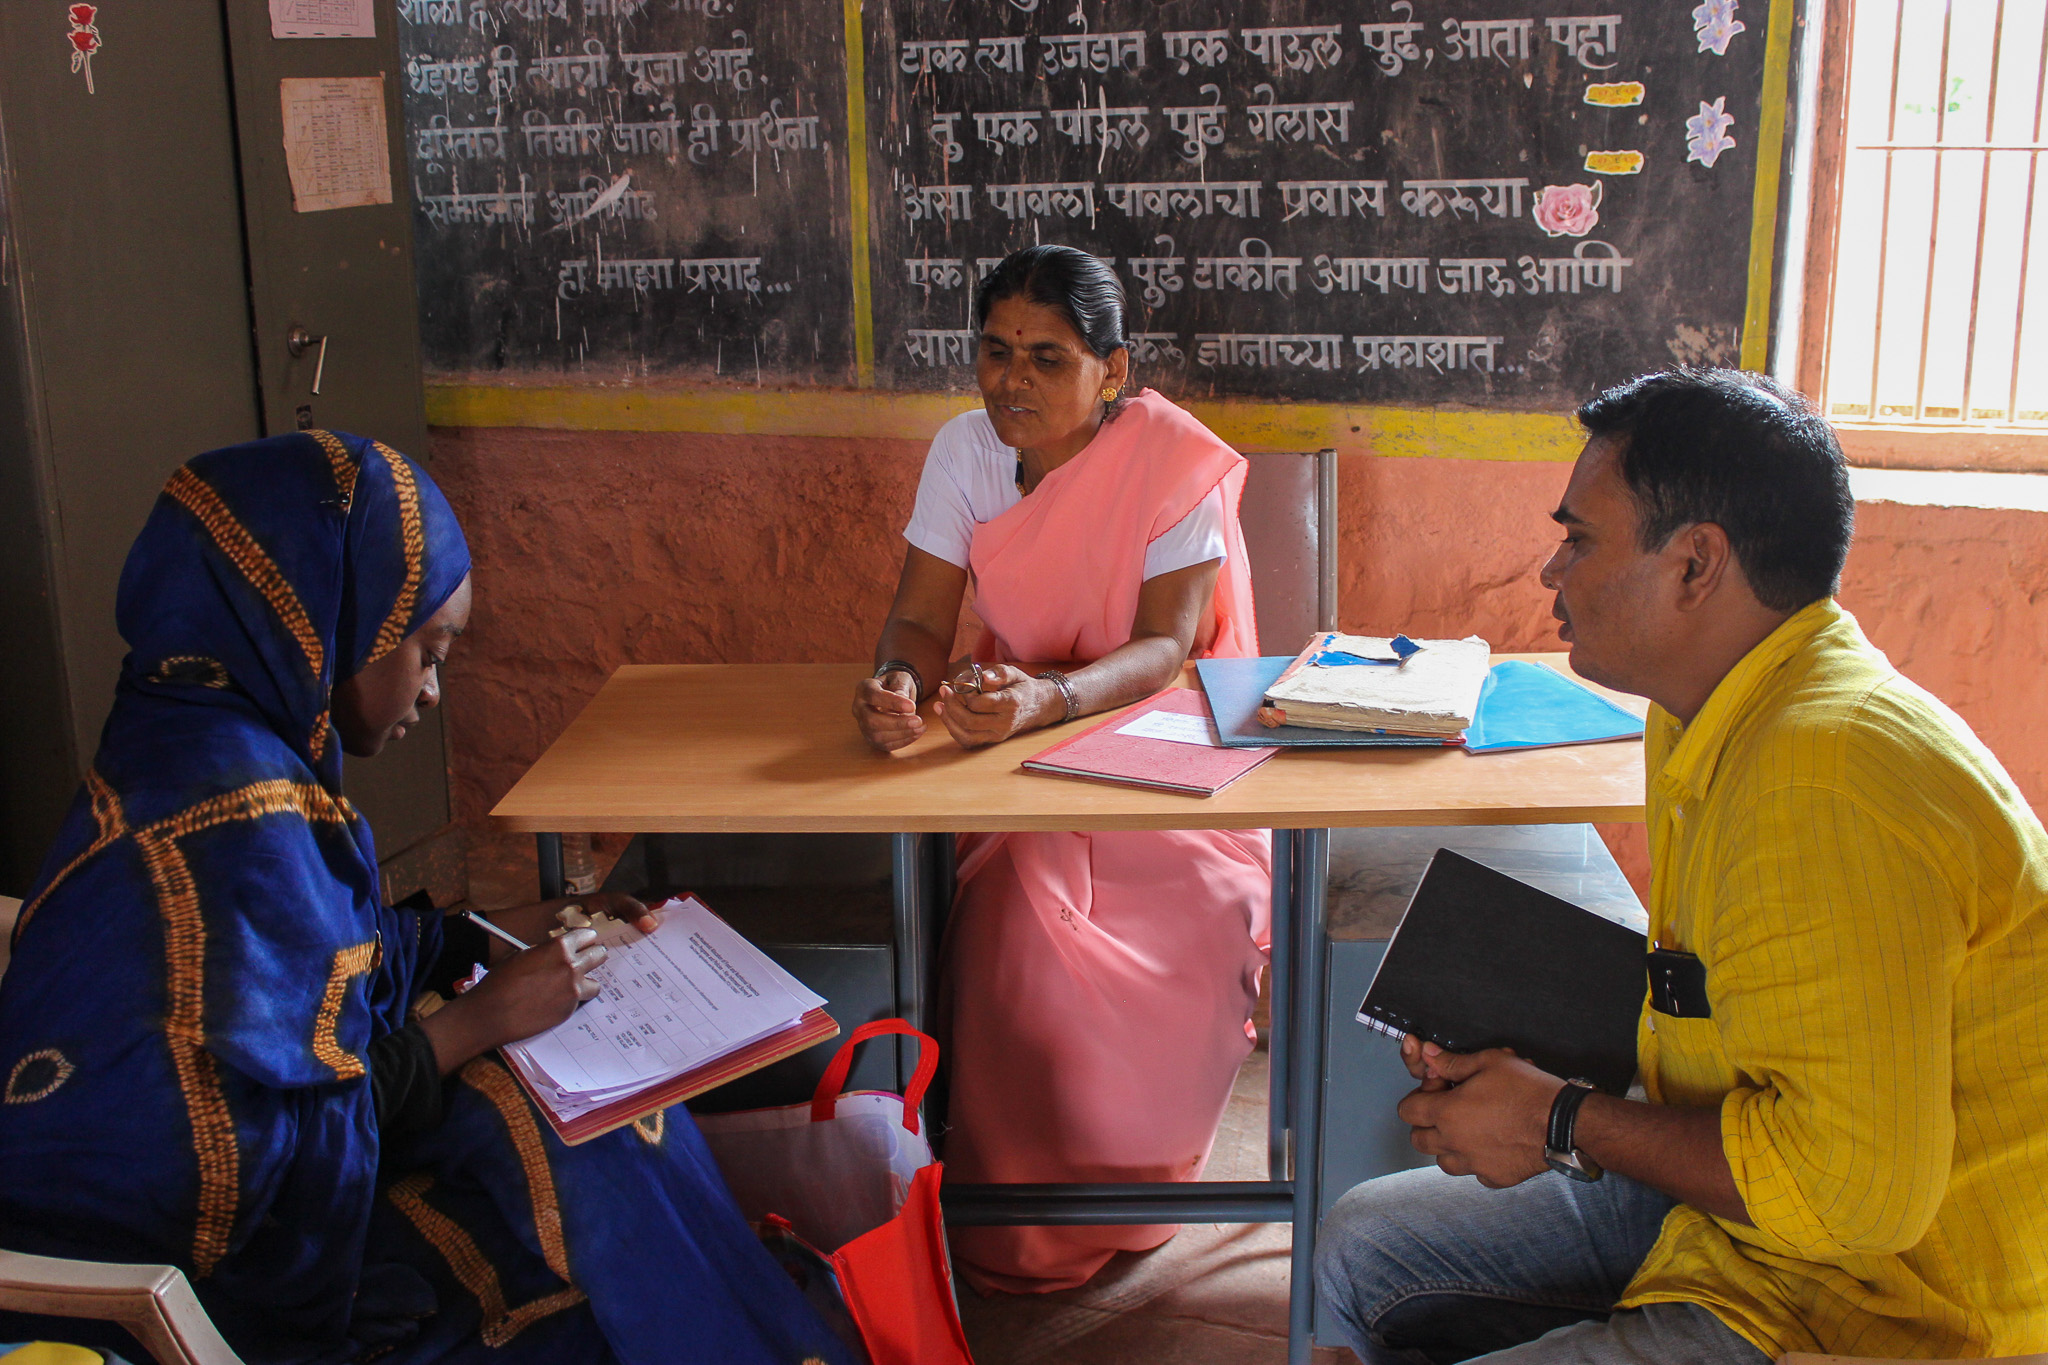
(211, 1047)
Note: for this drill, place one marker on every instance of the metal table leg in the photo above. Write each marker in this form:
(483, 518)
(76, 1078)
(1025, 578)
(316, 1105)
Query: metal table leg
(1280, 1028)
(552, 882)
(1312, 867)
(913, 960)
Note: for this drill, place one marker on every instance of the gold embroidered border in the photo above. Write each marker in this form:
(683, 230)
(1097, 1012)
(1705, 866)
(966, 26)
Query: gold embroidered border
(414, 542)
(316, 743)
(652, 1127)
(215, 672)
(107, 814)
(343, 463)
(471, 1269)
(245, 554)
(349, 964)
(495, 1084)
(13, 1095)
(213, 1128)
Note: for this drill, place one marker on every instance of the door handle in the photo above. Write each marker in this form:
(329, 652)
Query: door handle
(299, 341)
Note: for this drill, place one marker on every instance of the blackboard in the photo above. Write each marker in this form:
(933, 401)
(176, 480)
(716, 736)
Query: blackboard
(611, 189)
(1327, 199)
(1409, 201)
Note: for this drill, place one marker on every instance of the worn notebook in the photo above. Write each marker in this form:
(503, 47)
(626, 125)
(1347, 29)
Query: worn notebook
(1368, 682)
(1166, 744)
(685, 1008)
(1236, 689)
(1481, 960)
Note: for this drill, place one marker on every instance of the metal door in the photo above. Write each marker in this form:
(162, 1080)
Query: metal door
(344, 275)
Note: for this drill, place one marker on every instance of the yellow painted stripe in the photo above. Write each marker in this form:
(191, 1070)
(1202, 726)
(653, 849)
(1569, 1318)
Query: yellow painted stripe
(1401, 432)
(1770, 154)
(857, 183)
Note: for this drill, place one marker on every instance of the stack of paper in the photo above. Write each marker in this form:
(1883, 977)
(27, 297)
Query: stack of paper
(1427, 688)
(682, 1009)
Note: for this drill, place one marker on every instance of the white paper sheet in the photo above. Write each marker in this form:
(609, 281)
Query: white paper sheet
(334, 142)
(690, 992)
(1181, 729)
(323, 19)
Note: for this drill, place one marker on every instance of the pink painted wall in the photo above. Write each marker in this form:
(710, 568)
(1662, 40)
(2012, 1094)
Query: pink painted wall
(595, 549)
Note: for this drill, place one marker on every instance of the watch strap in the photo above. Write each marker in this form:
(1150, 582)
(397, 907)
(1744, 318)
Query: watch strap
(1564, 1115)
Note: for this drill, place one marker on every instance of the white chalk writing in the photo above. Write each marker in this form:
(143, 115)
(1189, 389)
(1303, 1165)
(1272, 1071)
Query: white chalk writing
(1430, 198)
(1160, 275)
(569, 206)
(1085, 127)
(1471, 274)
(714, 273)
(1393, 44)
(649, 135)
(1097, 52)
(1300, 48)
(499, 206)
(437, 140)
(1334, 198)
(932, 348)
(1156, 348)
(929, 273)
(443, 78)
(950, 202)
(1568, 274)
(1199, 126)
(1440, 353)
(1250, 271)
(1070, 200)
(1352, 274)
(1586, 37)
(1268, 350)
(1270, 122)
(1017, 127)
(574, 135)
(1203, 47)
(935, 54)
(775, 131)
(1181, 199)
(1000, 54)
(1502, 39)
(587, 70)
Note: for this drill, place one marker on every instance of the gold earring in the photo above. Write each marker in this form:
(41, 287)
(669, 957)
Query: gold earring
(1109, 395)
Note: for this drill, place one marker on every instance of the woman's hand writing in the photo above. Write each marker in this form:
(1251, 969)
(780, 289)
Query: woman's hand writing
(885, 709)
(533, 923)
(1010, 702)
(529, 993)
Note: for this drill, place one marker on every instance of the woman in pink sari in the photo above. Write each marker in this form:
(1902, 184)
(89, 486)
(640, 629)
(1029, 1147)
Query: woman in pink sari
(1097, 987)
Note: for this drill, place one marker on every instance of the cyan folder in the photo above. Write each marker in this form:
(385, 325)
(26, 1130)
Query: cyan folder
(1522, 706)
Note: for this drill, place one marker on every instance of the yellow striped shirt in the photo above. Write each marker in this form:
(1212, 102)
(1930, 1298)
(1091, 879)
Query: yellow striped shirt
(1867, 890)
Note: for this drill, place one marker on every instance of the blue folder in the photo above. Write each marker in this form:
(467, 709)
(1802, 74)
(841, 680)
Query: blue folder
(1522, 706)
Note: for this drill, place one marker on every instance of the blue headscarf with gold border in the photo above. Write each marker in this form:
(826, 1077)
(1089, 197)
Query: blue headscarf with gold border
(205, 958)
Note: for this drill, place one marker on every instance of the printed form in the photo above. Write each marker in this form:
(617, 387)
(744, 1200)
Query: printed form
(689, 993)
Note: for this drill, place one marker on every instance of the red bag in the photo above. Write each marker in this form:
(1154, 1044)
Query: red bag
(852, 1176)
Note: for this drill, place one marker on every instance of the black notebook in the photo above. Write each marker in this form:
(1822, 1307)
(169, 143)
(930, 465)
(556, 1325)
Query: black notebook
(1481, 960)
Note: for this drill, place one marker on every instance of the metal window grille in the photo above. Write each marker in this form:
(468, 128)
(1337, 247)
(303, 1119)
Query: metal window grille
(1939, 309)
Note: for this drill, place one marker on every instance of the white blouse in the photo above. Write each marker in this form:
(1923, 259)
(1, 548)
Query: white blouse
(970, 477)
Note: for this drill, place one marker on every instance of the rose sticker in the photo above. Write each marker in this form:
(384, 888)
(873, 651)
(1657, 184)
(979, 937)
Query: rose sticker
(1568, 210)
(85, 40)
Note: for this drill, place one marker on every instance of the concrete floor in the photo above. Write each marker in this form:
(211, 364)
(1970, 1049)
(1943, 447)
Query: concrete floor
(1216, 1293)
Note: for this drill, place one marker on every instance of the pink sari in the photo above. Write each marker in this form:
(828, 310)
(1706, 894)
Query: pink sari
(1098, 987)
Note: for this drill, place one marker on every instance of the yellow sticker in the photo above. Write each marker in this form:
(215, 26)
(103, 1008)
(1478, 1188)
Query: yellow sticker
(1614, 163)
(1615, 95)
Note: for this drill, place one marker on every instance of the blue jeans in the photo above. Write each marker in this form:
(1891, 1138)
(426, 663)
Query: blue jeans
(1427, 1267)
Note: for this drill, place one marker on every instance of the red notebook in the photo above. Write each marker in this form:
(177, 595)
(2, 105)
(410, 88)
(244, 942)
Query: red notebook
(814, 1027)
(1130, 749)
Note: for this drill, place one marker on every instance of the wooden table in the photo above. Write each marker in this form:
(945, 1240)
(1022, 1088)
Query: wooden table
(772, 748)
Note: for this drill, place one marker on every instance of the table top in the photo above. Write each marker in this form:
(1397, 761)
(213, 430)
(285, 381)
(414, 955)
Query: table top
(772, 748)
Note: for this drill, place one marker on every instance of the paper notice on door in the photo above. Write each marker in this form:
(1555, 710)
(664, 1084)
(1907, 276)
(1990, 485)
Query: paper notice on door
(323, 18)
(1181, 729)
(334, 142)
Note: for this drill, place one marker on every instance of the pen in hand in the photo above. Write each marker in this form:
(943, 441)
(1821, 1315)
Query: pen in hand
(494, 931)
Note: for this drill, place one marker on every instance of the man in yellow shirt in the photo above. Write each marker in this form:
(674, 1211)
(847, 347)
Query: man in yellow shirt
(1844, 1145)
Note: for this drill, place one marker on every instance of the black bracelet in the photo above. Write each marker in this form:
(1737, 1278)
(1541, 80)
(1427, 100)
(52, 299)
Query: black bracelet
(899, 666)
(1059, 680)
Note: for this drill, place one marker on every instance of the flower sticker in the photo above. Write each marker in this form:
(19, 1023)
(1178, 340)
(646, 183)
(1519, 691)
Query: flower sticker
(1706, 133)
(1714, 23)
(1568, 210)
(85, 40)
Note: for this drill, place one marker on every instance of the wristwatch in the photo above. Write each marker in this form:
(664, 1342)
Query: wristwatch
(1557, 1144)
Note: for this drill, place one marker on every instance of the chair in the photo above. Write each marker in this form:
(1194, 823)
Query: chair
(1803, 1358)
(1289, 516)
(154, 1303)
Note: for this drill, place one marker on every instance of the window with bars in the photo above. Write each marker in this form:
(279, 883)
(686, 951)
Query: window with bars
(1936, 297)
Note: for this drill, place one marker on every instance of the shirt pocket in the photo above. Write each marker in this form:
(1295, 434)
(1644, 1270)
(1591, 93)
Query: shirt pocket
(1690, 1064)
